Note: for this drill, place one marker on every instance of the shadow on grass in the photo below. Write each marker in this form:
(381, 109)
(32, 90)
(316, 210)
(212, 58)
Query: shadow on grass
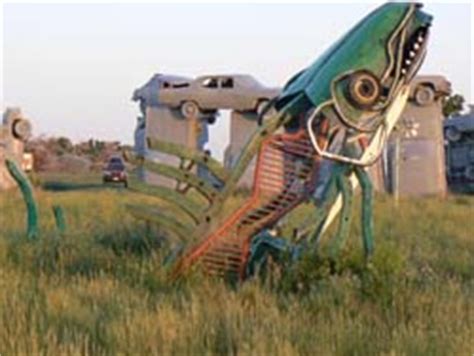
(139, 244)
(70, 186)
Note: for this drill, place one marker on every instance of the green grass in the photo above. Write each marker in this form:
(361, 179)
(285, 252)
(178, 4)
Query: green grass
(100, 289)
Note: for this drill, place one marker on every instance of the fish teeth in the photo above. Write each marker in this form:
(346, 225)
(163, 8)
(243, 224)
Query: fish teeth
(420, 39)
(404, 71)
(407, 62)
(416, 46)
(412, 54)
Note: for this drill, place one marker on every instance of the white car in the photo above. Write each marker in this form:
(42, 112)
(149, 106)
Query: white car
(207, 94)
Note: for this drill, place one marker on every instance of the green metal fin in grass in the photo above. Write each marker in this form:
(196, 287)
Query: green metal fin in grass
(186, 177)
(170, 196)
(27, 191)
(59, 219)
(157, 216)
(214, 166)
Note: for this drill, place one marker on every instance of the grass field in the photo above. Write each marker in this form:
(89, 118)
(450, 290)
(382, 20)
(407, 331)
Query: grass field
(100, 288)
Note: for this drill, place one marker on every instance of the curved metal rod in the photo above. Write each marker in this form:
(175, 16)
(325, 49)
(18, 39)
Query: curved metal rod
(367, 160)
(391, 119)
(371, 154)
(27, 191)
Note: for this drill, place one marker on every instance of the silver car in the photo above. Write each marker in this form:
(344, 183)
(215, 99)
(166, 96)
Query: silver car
(207, 94)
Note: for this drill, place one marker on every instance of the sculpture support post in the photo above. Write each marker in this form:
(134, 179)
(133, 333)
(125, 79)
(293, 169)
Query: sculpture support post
(367, 210)
(344, 187)
(396, 175)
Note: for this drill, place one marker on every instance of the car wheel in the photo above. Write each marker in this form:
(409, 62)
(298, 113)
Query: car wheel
(262, 106)
(21, 129)
(424, 95)
(453, 134)
(211, 120)
(189, 109)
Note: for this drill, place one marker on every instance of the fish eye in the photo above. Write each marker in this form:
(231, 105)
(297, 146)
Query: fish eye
(364, 89)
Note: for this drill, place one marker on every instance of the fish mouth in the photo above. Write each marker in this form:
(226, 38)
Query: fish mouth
(407, 50)
(414, 52)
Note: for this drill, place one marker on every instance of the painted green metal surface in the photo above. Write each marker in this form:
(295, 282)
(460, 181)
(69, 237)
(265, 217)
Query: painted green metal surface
(215, 167)
(265, 245)
(27, 191)
(367, 213)
(185, 204)
(345, 189)
(157, 216)
(59, 219)
(363, 47)
(322, 209)
(186, 177)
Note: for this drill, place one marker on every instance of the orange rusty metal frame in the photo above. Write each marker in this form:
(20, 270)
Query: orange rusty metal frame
(296, 141)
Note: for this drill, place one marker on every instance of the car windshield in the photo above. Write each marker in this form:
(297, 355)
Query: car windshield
(115, 163)
(116, 166)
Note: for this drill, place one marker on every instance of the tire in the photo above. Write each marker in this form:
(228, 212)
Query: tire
(21, 129)
(261, 106)
(453, 134)
(125, 184)
(189, 109)
(424, 95)
(364, 89)
(211, 120)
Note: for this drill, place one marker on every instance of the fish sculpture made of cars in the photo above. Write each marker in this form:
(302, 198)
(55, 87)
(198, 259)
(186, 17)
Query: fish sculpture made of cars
(316, 139)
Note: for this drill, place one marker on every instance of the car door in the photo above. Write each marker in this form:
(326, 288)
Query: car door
(208, 93)
(242, 93)
(229, 97)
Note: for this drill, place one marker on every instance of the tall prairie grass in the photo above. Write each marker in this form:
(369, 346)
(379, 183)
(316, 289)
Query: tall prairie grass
(100, 288)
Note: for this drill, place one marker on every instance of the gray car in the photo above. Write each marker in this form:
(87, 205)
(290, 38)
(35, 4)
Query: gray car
(213, 92)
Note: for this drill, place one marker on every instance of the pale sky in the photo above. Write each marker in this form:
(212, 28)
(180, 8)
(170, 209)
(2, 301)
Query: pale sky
(73, 68)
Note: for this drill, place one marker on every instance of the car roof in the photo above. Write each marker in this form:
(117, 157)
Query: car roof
(225, 76)
(147, 92)
(463, 123)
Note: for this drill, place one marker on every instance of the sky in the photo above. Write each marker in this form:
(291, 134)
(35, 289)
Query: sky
(72, 68)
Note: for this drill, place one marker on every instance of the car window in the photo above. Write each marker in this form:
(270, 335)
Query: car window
(181, 85)
(227, 83)
(209, 83)
(116, 166)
